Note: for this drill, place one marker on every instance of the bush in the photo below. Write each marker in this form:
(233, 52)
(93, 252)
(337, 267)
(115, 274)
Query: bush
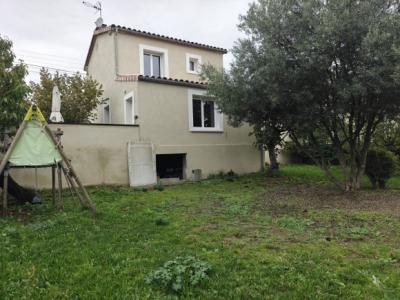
(159, 187)
(180, 273)
(381, 165)
(298, 156)
(229, 176)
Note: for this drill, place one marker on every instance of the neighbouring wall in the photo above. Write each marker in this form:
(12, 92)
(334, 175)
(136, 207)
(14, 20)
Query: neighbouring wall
(98, 154)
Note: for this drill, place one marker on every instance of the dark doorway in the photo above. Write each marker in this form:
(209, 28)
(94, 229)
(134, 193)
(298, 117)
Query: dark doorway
(170, 165)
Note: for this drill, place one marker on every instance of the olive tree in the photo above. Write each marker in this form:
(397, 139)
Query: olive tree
(332, 68)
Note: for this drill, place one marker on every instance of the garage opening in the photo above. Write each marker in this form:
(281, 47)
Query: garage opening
(170, 166)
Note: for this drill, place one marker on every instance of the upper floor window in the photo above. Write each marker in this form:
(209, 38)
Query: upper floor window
(153, 61)
(193, 63)
(152, 64)
(203, 113)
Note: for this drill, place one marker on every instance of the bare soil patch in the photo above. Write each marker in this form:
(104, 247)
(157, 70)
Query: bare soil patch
(297, 198)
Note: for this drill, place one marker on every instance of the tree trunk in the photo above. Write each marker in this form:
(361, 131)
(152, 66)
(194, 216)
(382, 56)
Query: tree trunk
(273, 161)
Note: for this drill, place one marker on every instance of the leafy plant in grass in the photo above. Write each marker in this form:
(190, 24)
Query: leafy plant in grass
(381, 165)
(289, 222)
(237, 209)
(357, 233)
(159, 187)
(180, 273)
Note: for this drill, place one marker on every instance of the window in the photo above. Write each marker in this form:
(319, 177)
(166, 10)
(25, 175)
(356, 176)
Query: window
(106, 114)
(203, 113)
(153, 61)
(129, 109)
(193, 63)
(152, 65)
(171, 166)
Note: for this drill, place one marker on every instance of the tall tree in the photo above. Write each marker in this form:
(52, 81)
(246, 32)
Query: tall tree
(13, 89)
(334, 65)
(243, 96)
(79, 95)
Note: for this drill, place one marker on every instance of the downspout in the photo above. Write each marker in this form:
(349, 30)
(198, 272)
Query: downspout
(116, 68)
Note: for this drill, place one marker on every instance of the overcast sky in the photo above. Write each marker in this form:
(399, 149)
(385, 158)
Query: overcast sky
(57, 33)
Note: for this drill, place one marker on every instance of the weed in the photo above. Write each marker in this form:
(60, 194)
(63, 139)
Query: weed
(358, 233)
(161, 222)
(289, 222)
(179, 274)
(159, 187)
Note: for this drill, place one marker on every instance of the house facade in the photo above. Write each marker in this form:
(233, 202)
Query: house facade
(152, 82)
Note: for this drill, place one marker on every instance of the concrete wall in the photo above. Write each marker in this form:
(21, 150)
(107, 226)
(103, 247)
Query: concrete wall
(98, 154)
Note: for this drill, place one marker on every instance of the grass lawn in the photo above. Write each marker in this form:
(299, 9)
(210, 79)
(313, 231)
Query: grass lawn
(292, 237)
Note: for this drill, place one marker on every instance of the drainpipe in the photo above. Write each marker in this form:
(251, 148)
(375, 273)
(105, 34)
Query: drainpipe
(116, 69)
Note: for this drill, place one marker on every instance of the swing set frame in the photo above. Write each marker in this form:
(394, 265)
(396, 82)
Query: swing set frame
(63, 167)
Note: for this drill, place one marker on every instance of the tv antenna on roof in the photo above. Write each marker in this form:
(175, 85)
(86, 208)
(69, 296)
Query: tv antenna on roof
(96, 6)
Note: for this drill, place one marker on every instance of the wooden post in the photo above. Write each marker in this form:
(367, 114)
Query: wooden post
(53, 184)
(73, 186)
(5, 191)
(71, 172)
(12, 146)
(60, 195)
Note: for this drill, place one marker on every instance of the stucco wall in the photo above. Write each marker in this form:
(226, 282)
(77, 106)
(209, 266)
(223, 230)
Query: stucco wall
(164, 120)
(98, 154)
(104, 67)
(128, 50)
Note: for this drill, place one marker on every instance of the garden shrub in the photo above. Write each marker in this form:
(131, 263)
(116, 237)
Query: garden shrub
(298, 156)
(178, 274)
(159, 187)
(381, 165)
(229, 176)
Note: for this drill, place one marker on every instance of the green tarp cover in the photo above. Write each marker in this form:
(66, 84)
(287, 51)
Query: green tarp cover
(34, 147)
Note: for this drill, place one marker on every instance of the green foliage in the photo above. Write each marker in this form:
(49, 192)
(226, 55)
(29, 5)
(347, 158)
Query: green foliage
(387, 136)
(13, 89)
(161, 222)
(381, 165)
(178, 274)
(358, 233)
(159, 187)
(294, 223)
(326, 72)
(229, 176)
(300, 156)
(79, 95)
(49, 254)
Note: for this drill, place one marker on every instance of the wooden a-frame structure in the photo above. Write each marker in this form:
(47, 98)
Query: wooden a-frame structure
(48, 153)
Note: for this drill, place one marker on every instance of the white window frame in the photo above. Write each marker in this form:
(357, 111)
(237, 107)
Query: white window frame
(218, 117)
(109, 113)
(126, 97)
(162, 52)
(197, 66)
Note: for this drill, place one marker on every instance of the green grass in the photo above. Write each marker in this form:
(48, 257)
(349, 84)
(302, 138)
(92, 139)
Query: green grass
(292, 237)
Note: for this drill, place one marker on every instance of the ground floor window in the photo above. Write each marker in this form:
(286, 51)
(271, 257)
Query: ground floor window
(170, 165)
(129, 109)
(203, 113)
(106, 114)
